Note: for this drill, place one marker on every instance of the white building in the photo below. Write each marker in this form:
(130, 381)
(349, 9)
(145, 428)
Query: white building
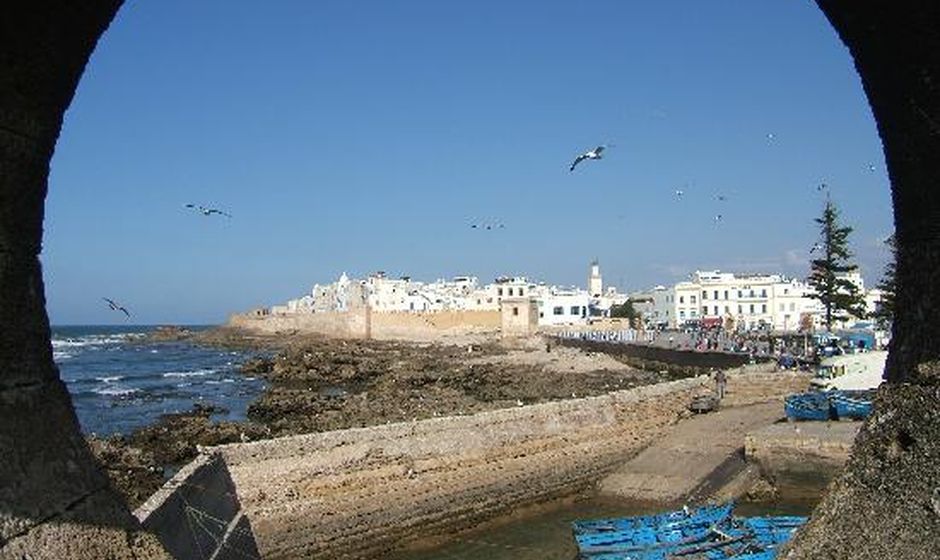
(748, 301)
(558, 306)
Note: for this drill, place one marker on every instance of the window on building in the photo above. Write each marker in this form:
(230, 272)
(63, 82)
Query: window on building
(520, 291)
(509, 292)
(716, 310)
(792, 307)
(783, 307)
(691, 299)
(715, 294)
(752, 309)
(681, 299)
(704, 310)
(499, 291)
(739, 294)
(786, 291)
(740, 310)
(727, 310)
(763, 292)
(763, 308)
(694, 314)
(682, 313)
(752, 293)
(726, 294)
(575, 310)
(704, 294)
(541, 314)
(515, 311)
(558, 310)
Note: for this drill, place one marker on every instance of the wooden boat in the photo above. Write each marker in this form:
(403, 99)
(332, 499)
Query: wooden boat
(703, 514)
(854, 405)
(704, 533)
(808, 406)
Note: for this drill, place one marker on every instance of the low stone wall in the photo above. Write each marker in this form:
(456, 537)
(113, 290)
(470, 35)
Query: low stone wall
(359, 493)
(801, 458)
(356, 493)
(759, 383)
(721, 360)
(197, 515)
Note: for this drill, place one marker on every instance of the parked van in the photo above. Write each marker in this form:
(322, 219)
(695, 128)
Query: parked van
(851, 371)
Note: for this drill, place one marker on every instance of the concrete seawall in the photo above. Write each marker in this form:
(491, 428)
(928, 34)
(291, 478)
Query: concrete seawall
(356, 493)
(359, 493)
(197, 514)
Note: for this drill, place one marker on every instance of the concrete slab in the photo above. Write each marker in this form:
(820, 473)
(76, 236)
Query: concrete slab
(673, 467)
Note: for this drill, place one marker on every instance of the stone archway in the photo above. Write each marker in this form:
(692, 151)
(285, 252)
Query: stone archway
(55, 501)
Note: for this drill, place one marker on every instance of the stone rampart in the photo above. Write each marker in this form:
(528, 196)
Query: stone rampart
(416, 326)
(365, 323)
(348, 324)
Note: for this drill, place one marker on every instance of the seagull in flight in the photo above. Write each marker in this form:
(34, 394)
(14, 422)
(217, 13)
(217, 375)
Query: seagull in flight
(487, 226)
(822, 187)
(115, 307)
(208, 211)
(596, 153)
(679, 193)
(718, 218)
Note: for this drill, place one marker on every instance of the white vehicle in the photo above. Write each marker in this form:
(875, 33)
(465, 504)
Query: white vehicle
(851, 371)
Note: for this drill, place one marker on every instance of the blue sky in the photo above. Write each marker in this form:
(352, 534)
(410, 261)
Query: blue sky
(368, 135)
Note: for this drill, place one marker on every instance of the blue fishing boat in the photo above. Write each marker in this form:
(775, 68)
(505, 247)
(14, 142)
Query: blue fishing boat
(808, 406)
(706, 514)
(853, 405)
(704, 533)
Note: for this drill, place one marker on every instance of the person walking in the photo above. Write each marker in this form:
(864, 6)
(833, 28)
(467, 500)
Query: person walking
(721, 380)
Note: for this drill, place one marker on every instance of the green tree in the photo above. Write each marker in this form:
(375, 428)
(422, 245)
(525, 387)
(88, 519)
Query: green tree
(884, 315)
(837, 293)
(626, 309)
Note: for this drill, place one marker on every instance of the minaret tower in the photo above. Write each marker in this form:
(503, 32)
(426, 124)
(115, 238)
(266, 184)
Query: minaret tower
(595, 283)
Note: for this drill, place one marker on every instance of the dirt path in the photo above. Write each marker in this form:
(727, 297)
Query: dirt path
(671, 469)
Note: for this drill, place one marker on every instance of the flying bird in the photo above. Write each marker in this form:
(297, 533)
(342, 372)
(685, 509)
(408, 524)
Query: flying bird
(680, 192)
(822, 187)
(115, 307)
(721, 197)
(488, 226)
(596, 153)
(717, 218)
(208, 211)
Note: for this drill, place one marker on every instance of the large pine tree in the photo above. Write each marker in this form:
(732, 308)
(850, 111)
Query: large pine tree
(838, 294)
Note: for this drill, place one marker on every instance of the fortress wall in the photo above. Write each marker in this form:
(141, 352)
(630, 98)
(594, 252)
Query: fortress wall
(410, 326)
(363, 323)
(350, 324)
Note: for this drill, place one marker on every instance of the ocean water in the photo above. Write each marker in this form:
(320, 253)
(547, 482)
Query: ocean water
(119, 383)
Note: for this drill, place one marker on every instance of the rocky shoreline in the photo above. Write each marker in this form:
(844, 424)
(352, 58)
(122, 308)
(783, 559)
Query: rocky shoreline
(318, 384)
